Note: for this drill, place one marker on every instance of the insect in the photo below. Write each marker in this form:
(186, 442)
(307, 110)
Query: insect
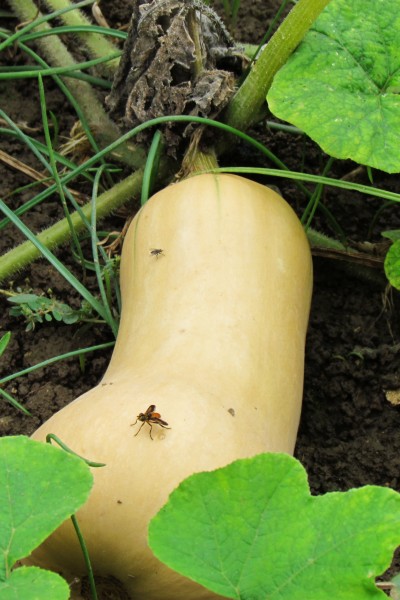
(151, 418)
(157, 252)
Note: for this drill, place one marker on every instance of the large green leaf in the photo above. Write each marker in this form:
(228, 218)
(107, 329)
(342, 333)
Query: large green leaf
(40, 487)
(32, 583)
(342, 84)
(252, 531)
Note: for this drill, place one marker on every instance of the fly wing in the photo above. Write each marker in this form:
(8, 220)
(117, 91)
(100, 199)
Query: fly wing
(159, 421)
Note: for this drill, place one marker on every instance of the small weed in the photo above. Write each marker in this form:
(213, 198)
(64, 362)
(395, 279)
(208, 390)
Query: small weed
(37, 309)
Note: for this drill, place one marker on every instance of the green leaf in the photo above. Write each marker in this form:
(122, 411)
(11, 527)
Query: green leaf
(32, 583)
(392, 234)
(392, 265)
(71, 318)
(252, 531)
(4, 340)
(342, 85)
(13, 402)
(40, 487)
(24, 299)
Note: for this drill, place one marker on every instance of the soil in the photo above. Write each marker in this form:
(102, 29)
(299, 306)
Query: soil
(349, 433)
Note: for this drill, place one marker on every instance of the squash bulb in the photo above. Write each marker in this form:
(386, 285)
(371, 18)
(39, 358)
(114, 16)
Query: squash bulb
(212, 334)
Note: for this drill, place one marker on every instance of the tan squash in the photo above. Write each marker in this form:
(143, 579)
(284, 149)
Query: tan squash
(216, 279)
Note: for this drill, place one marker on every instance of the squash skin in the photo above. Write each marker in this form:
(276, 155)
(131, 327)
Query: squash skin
(212, 332)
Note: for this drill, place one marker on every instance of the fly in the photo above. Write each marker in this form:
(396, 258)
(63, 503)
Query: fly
(157, 252)
(151, 418)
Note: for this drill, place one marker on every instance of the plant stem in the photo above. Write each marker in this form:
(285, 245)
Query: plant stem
(321, 240)
(204, 161)
(193, 27)
(86, 557)
(97, 44)
(246, 106)
(58, 55)
(360, 270)
(196, 160)
(55, 359)
(22, 255)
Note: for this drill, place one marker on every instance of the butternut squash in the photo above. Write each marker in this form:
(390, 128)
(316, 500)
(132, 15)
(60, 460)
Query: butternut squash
(216, 279)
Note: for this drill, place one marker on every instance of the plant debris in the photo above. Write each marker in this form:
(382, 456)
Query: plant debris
(178, 59)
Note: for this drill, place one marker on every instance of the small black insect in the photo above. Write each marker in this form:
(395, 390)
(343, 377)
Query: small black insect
(151, 418)
(157, 252)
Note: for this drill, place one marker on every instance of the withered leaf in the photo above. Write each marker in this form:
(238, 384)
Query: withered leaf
(178, 59)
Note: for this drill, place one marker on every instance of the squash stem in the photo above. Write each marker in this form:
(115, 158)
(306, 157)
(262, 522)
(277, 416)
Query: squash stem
(59, 233)
(195, 159)
(246, 106)
(58, 55)
(193, 26)
(98, 45)
(201, 161)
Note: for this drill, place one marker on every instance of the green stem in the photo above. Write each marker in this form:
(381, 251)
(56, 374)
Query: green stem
(70, 69)
(193, 27)
(246, 106)
(24, 10)
(55, 359)
(95, 250)
(57, 54)
(320, 240)
(360, 271)
(22, 255)
(52, 167)
(49, 438)
(90, 463)
(86, 557)
(97, 44)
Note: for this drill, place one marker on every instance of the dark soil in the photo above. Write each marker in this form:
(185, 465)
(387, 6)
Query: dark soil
(349, 434)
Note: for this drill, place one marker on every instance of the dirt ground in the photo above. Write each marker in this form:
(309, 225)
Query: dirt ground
(349, 434)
